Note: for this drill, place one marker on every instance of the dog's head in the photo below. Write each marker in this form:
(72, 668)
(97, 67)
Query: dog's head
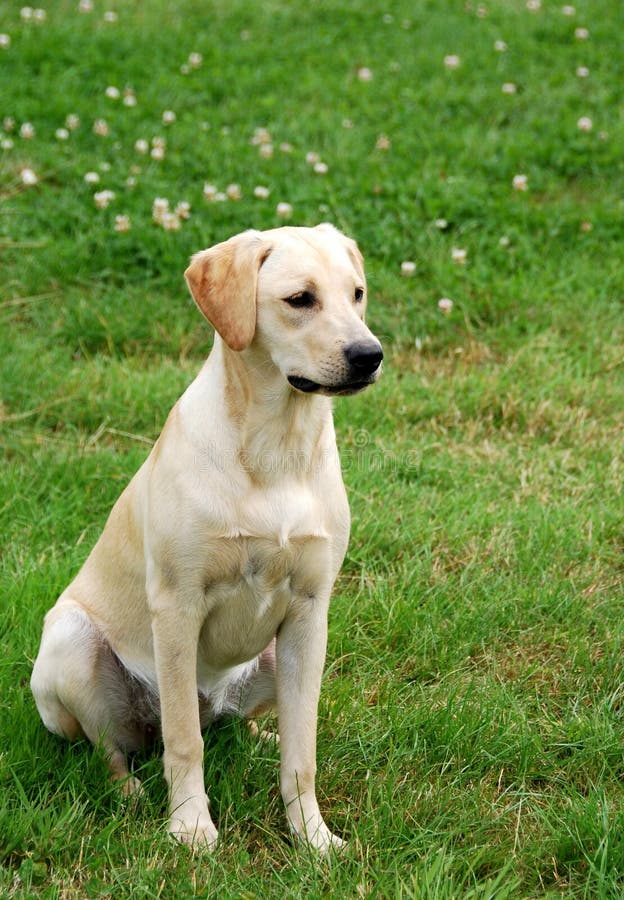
(298, 294)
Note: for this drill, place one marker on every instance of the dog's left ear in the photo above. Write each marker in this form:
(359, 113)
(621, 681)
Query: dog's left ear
(223, 282)
(352, 248)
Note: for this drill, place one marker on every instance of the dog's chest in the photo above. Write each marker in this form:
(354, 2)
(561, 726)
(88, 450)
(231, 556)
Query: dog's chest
(246, 605)
(276, 555)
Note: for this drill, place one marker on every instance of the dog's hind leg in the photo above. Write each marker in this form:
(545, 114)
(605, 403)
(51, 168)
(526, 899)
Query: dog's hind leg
(80, 690)
(259, 694)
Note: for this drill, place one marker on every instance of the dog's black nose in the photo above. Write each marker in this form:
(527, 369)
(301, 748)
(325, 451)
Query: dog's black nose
(364, 357)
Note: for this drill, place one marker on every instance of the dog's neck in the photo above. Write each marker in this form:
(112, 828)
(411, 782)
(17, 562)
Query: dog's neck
(281, 430)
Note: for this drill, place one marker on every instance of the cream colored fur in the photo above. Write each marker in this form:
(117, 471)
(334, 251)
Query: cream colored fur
(209, 587)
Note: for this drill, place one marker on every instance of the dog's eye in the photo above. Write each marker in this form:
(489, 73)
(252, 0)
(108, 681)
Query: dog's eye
(359, 295)
(301, 300)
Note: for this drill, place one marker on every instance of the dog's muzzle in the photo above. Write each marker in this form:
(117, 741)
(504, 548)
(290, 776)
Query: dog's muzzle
(362, 358)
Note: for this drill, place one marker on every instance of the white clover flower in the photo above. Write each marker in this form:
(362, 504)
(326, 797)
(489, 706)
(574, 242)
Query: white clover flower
(585, 124)
(92, 177)
(509, 88)
(129, 98)
(8, 123)
(504, 241)
(72, 122)
(445, 305)
(233, 192)
(260, 136)
(141, 146)
(210, 192)
(500, 46)
(582, 72)
(26, 13)
(39, 15)
(85, 6)
(458, 255)
(168, 117)
(520, 183)
(452, 61)
(347, 123)
(28, 177)
(110, 16)
(27, 131)
(112, 92)
(284, 210)
(170, 222)
(442, 224)
(183, 210)
(159, 142)
(61, 134)
(261, 192)
(6, 144)
(100, 127)
(131, 181)
(581, 34)
(103, 198)
(195, 60)
(285, 147)
(534, 5)
(364, 73)
(568, 10)
(5, 41)
(312, 158)
(160, 206)
(266, 151)
(321, 168)
(157, 153)
(408, 268)
(105, 166)
(586, 227)
(122, 223)
(184, 69)
(383, 142)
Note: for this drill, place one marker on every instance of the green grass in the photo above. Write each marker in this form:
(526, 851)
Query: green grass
(471, 730)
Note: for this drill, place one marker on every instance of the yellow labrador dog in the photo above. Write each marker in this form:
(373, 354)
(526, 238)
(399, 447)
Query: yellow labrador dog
(208, 589)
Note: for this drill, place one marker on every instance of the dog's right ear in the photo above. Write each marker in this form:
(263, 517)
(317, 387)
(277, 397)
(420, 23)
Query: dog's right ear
(223, 282)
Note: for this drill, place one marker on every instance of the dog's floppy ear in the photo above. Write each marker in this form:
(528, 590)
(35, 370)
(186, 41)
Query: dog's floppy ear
(223, 281)
(352, 248)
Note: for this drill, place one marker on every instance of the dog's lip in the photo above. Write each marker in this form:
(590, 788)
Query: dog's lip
(307, 386)
(303, 384)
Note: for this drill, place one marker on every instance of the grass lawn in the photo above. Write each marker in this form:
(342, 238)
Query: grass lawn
(471, 728)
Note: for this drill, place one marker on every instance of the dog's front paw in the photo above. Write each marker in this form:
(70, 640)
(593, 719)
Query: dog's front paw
(319, 837)
(199, 834)
(325, 841)
(193, 827)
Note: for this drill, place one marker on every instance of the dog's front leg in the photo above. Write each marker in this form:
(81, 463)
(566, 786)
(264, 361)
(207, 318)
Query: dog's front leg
(301, 646)
(175, 631)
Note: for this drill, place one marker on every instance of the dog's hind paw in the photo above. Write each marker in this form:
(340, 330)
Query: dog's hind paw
(130, 787)
(263, 735)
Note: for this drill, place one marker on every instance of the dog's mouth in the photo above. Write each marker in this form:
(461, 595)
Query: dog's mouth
(307, 386)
